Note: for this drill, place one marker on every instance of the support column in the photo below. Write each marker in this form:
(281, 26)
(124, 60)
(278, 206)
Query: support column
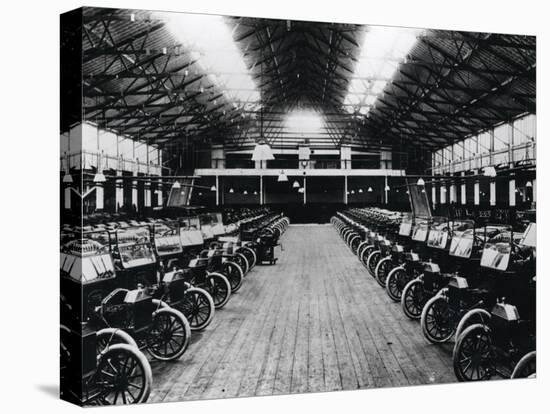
(345, 189)
(147, 195)
(443, 193)
(512, 192)
(434, 195)
(159, 194)
(119, 192)
(493, 193)
(217, 157)
(99, 196)
(476, 189)
(345, 157)
(305, 190)
(261, 190)
(218, 190)
(68, 197)
(386, 191)
(453, 195)
(463, 190)
(304, 153)
(135, 195)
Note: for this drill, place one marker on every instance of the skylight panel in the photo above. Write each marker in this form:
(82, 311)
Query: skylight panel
(303, 122)
(383, 50)
(210, 42)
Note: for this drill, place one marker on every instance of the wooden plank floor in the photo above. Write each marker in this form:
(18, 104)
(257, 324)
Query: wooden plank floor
(314, 322)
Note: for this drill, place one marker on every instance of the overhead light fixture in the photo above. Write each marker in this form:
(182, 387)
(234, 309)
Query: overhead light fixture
(200, 194)
(360, 190)
(295, 184)
(213, 188)
(245, 192)
(490, 172)
(387, 188)
(231, 191)
(99, 178)
(176, 185)
(301, 190)
(353, 191)
(68, 179)
(255, 193)
(262, 152)
(282, 178)
(370, 190)
(420, 181)
(529, 184)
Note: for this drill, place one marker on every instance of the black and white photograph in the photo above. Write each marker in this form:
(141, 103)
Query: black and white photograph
(258, 206)
(270, 207)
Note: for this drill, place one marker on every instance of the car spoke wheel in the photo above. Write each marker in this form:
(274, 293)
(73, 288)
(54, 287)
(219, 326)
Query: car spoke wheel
(413, 299)
(372, 261)
(526, 367)
(437, 320)
(234, 273)
(123, 376)
(382, 269)
(168, 336)
(219, 288)
(198, 307)
(473, 358)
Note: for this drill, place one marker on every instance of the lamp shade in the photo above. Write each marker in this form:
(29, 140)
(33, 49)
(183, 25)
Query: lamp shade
(420, 181)
(529, 184)
(295, 184)
(262, 152)
(282, 177)
(99, 178)
(245, 192)
(213, 188)
(231, 191)
(360, 190)
(68, 179)
(387, 188)
(176, 185)
(370, 190)
(490, 172)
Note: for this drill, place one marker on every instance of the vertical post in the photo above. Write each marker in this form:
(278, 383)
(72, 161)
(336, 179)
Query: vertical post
(534, 192)
(434, 194)
(512, 192)
(476, 189)
(305, 189)
(159, 193)
(99, 196)
(493, 193)
(147, 194)
(217, 190)
(261, 190)
(386, 189)
(452, 195)
(119, 191)
(442, 193)
(68, 197)
(345, 189)
(463, 190)
(135, 195)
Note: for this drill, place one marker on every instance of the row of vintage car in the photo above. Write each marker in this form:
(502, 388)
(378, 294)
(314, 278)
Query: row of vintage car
(465, 279)
(136, 287)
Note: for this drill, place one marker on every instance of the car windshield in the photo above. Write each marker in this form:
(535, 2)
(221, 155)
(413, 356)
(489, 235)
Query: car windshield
(438, 235)
(167, 239)
(406, 225)
(462, 241)
(497, 248)
(87, 260)
(420, 230)
(134, 246)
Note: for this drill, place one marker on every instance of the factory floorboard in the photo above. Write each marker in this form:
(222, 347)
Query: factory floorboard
(314, 322)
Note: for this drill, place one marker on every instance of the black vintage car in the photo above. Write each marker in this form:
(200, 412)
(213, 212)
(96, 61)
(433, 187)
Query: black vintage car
(504, 344)
(103, 298)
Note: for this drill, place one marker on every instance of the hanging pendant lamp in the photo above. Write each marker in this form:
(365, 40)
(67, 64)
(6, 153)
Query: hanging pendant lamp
(296, 184)
(282, 178)
(420, 181)
(176, 185)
